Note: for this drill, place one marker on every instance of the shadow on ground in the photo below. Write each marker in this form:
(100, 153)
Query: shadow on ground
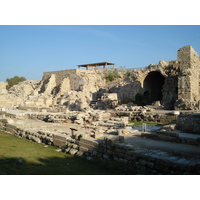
(63, 166)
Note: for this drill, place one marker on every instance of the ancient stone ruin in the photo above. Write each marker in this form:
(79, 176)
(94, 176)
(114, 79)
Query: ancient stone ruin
(87, 113)
(174, 83)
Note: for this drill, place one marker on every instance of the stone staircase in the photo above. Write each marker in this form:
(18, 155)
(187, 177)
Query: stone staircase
(175, 136)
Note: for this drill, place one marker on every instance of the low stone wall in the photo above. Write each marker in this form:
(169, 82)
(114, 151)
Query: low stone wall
(173, 136)
(189, 123)
(45, 137)
(147, 116)
(59, 115)
(110, 147)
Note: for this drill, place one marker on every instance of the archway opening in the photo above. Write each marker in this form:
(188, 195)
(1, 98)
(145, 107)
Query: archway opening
(153, 85)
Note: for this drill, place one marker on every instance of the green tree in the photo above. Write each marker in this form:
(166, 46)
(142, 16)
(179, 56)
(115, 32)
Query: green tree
(14, 81)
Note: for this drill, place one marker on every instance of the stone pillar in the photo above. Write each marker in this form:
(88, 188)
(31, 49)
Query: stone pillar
(188, 80)
(184, 83)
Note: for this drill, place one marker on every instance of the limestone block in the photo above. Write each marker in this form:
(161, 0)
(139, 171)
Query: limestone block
(73, 151)
(189, 123)
(3, 89)
(112, 139)
(80, 153)
(112, 131)
(65, 86)
(50, 85)
(102, 116)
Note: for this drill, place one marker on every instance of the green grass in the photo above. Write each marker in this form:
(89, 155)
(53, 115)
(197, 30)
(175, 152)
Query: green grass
(136, 123)
(40, 160)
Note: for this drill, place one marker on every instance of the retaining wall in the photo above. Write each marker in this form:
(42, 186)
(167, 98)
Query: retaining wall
(111, 147)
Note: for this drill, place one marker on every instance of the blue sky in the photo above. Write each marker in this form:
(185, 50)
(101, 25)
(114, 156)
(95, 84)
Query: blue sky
(31, 50)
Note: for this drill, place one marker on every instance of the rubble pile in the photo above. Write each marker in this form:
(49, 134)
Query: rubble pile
(131, 107)
(108, 101)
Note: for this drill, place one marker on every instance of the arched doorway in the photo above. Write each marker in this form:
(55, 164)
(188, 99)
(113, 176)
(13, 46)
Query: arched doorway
(153, 84)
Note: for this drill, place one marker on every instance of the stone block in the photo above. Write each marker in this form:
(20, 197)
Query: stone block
(83, 149)
(73, 151)
(143, 162)
(58, 141)
(105, 156)
(121, 160)
(150, 165)
(80, 153)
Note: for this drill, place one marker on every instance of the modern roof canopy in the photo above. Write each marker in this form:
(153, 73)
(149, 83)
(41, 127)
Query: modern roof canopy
(104, 64)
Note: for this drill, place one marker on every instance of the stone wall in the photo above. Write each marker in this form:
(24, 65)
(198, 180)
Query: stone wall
(180, 89)
(111, 147)
(78, 79)
(36, 136)
(189, 123)
(72, 88)
(95, 118)
(137, 83)
(188, 80)
(18, 94)
(174, 83)
(3, 89)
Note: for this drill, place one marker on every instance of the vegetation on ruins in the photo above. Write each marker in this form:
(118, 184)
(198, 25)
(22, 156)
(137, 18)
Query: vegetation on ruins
(14, 81)
(111, 75)
(127, 74)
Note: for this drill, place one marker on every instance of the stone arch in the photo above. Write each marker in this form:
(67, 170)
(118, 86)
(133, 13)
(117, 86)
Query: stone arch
(153, 85)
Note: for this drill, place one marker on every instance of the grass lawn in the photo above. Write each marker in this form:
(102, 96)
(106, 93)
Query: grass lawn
(40, 160)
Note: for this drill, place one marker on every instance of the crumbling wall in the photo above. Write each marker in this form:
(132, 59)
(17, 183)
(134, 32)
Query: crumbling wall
(59, 75)
(189, 123)
(174, 83)
(181, 87)
(149, 90)
(49, 85)
(3, 89)
(188, 79)
(108, 101)
(75, 100)
(65, 86)
(25, 88)
(72, 88)
(78, 79)
(18, 94)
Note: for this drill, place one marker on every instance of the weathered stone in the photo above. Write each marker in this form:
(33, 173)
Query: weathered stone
(3, 89)
(109, 100)
(189, 123)
(73, 151)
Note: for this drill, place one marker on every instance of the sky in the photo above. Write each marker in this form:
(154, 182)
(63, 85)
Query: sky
(30, 50)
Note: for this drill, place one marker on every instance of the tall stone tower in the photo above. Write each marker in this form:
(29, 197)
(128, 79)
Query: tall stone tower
(188, 80)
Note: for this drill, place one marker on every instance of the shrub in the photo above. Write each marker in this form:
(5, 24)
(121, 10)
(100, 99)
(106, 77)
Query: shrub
(14, 81)
(111, 75)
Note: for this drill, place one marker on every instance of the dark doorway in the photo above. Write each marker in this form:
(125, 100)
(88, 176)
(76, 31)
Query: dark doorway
(153, 84)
